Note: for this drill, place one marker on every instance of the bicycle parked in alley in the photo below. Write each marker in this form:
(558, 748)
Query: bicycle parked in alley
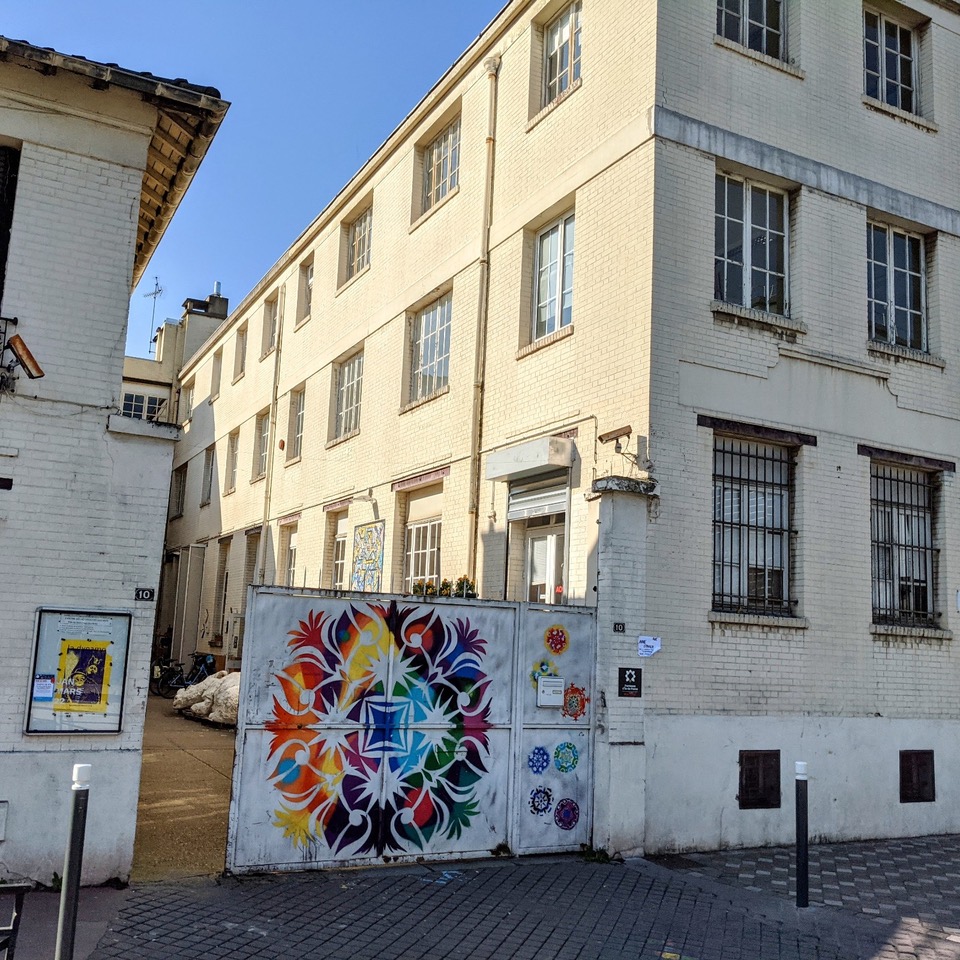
(169, 677)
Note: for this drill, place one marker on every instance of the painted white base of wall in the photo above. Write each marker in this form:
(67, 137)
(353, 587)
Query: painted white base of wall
(692, 777)
(37, 788)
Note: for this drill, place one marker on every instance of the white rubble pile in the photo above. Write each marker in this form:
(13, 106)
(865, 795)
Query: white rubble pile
(216, 699)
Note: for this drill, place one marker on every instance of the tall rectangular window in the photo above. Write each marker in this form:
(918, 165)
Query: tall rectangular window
(901, 535)
(917, 783)
(756, 24)
(422, 554)
(9, 172)
(441, 166)
(215, 374)
(230, 474)
(295, 424)
(752, 486)
(896, 288)
(271, 319)
(750, 250)
(178, 491)
(889, 62)
(288, 554)
(349, 389)
(206, 489)
(340, 528)
(553, 308)
(561, 47)
(305, 308)
(430, 344)
(240, 353)
(358, 243)
(186, 402)
(261, 447)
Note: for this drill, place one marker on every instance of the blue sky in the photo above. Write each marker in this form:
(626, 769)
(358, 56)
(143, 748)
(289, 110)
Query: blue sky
(315, 88)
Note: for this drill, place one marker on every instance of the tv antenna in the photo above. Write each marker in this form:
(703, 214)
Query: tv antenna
(154, 294)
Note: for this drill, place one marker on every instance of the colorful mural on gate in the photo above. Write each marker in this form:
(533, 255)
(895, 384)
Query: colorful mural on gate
(368, 556)
(404, 700)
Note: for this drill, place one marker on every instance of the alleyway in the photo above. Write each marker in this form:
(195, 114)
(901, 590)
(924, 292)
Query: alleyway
(184, 797)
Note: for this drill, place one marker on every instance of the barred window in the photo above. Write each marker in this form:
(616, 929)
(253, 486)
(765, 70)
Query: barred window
(752, 486)
(422, 560)
(757, 24)
(901, 522)
(750, 245)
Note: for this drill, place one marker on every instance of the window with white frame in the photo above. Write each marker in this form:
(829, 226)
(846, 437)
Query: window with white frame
(295, 423)
(141, 406)
(441, 166)
(178, 491)
(358, 243)
(186, 402)
(756, 24)
(206, 489)
(750, 258)
(306, 292)
(340, 540)
(752, 494)
(889, 61)
(349, 389)
(288, 554)
(271, 318)
(240, 353)
(230, 474)
(430, 349)
(561, 52)
(215, 373)
(421, 555)
(553, 296)
(896, 287)
(261, 444)
(901, 535)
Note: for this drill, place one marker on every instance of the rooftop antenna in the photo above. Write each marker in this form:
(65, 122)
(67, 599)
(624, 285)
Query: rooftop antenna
(156, 292)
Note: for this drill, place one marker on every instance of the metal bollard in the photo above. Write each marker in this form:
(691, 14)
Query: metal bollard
(72, 864)
(803, 864)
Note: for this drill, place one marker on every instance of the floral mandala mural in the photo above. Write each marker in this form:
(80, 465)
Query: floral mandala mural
(379, 731)
(566, 814)
(556, 639)
(541, 800)
(566, 757)
(539, 760)
(575, 702)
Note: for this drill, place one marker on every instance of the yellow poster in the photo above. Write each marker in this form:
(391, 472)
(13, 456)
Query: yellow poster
(83, 676)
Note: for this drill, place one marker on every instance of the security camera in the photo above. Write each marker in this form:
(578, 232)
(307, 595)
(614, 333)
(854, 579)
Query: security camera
(24, 357)
(615, 434)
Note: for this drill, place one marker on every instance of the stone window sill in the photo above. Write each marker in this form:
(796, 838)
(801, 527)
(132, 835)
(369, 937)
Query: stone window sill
(546, 341)
(757, 620)
(238, 377)
(746, 316)
(266, 353)
(413, 404)
(349, 283)
(427, 214)
(257, 478)
(292, 461)
(336, 441)
(897, 352)
(303, 321)
(782, 65)
(553, 104)
(896, 632)
(912, 118)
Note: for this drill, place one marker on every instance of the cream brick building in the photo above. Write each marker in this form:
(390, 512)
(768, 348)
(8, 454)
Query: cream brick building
(649, 307)
(95, 160)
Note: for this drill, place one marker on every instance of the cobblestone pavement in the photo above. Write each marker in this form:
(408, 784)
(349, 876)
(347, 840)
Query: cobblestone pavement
(545, 908)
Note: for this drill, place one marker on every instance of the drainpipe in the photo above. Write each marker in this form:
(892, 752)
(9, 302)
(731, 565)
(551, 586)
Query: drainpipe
(272, 449)
(492, 67)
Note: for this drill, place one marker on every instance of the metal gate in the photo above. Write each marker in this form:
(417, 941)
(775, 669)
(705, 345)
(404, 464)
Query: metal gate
(373, 727)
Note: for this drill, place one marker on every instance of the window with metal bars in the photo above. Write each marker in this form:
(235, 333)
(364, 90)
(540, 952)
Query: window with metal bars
(752, 493)
(756, 24)
(750, 245)
(889, 61)
(759, 787)
(422, 555)
(917, 783)
(901, 540)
